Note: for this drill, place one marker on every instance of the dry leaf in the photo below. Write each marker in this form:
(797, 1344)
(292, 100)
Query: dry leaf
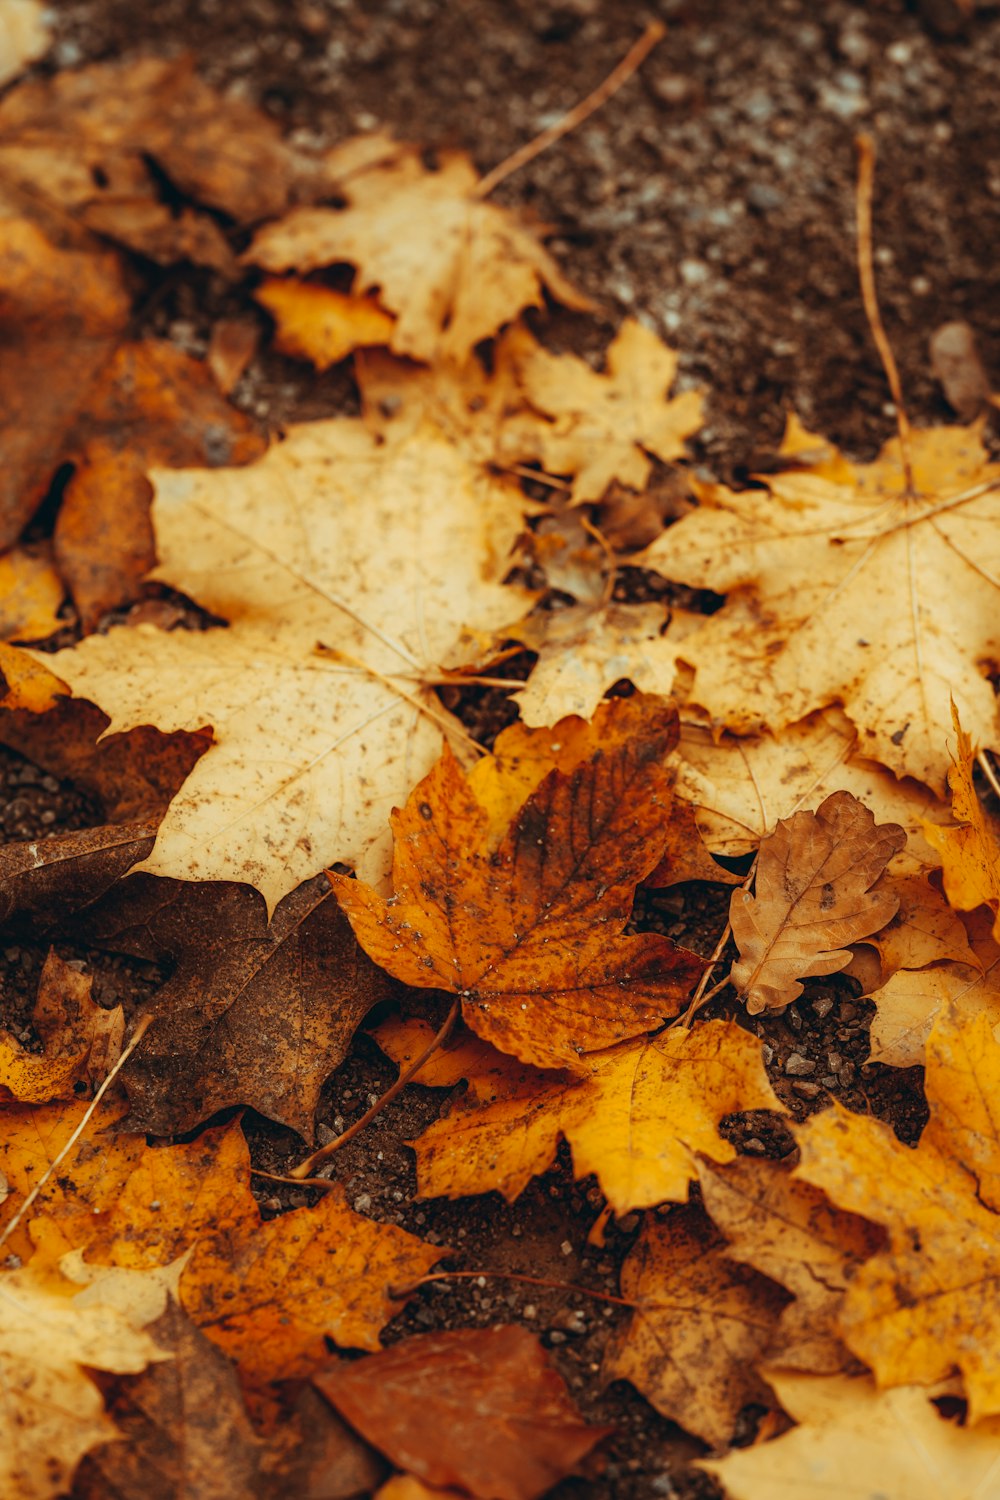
(851, 590)
(635, 1120)
(30, 594)
(267, 1292)
(924, 930)
(811, 894)
(788, 1231)
(253, 1013)
(700, 1324)
(529, 935)
(605, 425)
(480, 1408)
(970, 852)
(81, 1040)
(312, 1454)
(24, 36)
(321, 324)
(857, 1442)
(339, 564)
(53, 1412)
(186, 1432)
(929, 1302)
(452, 267)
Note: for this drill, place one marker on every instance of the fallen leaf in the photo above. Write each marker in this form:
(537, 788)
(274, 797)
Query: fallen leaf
(53, 1412)
(311, 1454)
(740, 787)
(529, 935)
(857, 1442)
(30, 594)
(606, 425)
(788, 1231)
(386, 558)
(452, 267)
(26, 682)
(928, 1303)
(970, 851)
(811, 893)
(186, 1434)
(478, 1408)
(406, 1487)
(321, 324)
(924, 930)
(53, 877)
(686, 857)
(634, 1120)
(65, 1015)
(850, 590)
(267, 1292)
(24, 36)
(701, 1323)
(254, 1012)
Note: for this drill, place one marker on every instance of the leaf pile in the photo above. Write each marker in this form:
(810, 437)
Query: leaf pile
(262, 659)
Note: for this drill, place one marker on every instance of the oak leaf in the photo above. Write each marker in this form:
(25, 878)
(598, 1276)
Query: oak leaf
(851, 590)
(452, 267)
(928, 1302)
(254, 1012)
(529, 934)
(701, 1323)
(348, 571)
(788, 1231)
(811, 893)
(857, 1442)
(267, 1292)
(606, 425)
(635, 1120)
(477, 1408)
(52, 1411)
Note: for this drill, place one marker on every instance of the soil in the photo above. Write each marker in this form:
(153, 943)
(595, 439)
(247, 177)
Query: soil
(714, 199)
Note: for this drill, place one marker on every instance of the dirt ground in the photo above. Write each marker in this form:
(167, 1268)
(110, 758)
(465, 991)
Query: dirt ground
(713, 198)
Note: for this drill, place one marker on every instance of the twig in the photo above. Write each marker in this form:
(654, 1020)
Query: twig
(305, 1168)
(140, 1032)
(702, 994)
(562, 1286)
(988, 771)
(632, 60)
(866, 275)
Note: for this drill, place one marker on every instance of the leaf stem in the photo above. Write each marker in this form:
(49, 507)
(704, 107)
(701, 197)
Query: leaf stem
(562, 1286)
(306, 1168)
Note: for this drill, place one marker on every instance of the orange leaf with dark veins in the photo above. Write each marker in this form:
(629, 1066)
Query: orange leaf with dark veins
(530, 937)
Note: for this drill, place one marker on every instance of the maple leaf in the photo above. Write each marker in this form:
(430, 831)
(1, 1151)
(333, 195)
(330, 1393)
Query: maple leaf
(383, 554)
(30, 594)
(634, 1120)
(311, 1452)
(68, 870)
(255, 1012)
(185, 1428)
(928, 1302)
(452, 267)
(53, 1412)
(811, 891)
(605, 425)
(700, 1324)
(267, 1292)
(850, 589)
(970, 851)
(480, 1408)
(788, 1231)
(529, 934)
(321, 324)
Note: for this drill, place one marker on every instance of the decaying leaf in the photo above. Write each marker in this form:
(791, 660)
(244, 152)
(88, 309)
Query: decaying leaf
(311, 1452)
(634, 1120)
(970, 851)
(480, 1408)
(851, 590)
(811, 896)
(605, 424)
(81, 1040)
(68, 870)
(530, 935)
(700, 1325)
(788, 1231)
(452, 267)
(349, 572)
(254, 1012)
(857, 1442)
(929, 1302)
(52, 1412)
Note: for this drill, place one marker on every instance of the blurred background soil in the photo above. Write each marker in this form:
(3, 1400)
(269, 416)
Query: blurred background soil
(714, 199)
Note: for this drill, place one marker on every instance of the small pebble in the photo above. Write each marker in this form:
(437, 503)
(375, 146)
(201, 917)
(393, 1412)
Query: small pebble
(555, 1337)
(529, 1310)
(754, 1146)
(768, 1054)
(566, 1248)
(822, 1006)
(363, 1203)
(325, 1135)
(806, 1090)
(798, 1066)
(847, 1010)
(829, 1081)
(628, 1225)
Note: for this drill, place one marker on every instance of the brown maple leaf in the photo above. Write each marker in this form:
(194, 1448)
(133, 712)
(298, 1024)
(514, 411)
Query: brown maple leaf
(529, 936)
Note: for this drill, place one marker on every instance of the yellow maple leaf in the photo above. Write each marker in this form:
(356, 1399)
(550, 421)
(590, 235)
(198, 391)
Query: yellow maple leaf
(970, 851)
(321, 324)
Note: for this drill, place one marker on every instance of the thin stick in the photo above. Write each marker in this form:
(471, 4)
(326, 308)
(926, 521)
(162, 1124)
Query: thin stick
(866, 275)
(305, 1168)
(562, 1286)
(702, 994)
(988, 771)
(632, 60)
(140, 1032)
